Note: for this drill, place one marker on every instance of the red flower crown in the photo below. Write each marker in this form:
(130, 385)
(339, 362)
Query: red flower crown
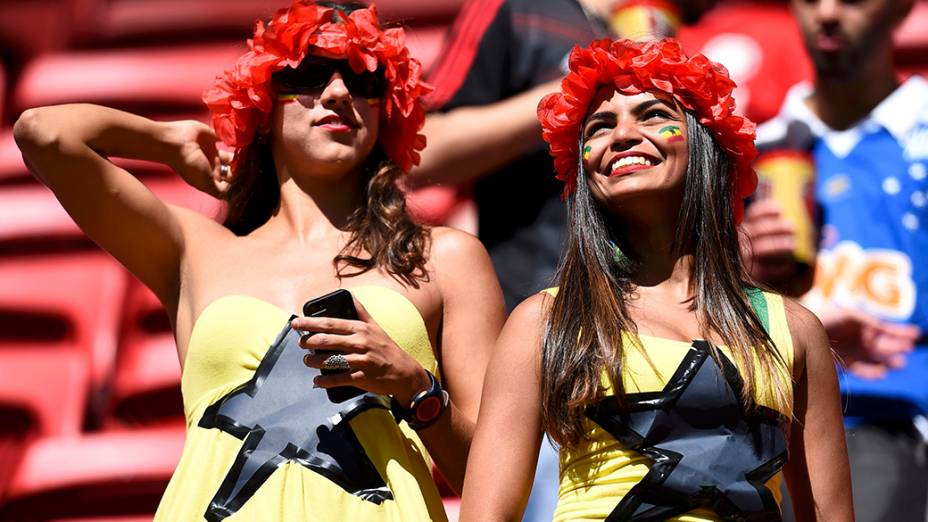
(242, 98)
(698, 84)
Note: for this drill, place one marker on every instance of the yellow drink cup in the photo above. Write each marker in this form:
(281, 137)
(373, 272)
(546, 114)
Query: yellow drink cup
(788, 176)
(642, 20)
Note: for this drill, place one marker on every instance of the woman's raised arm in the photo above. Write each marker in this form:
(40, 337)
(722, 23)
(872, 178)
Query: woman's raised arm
(66, 147)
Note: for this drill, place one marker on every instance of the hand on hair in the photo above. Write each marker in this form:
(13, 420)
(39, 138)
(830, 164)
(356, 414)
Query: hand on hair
(869, 347)
(197, 158)
(377, 364)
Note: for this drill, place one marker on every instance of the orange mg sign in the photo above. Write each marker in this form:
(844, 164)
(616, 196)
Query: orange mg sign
(873, 280)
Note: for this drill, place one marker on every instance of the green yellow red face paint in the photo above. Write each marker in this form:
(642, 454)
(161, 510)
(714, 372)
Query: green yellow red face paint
(671, 133)
(289, 98)
(586, 152)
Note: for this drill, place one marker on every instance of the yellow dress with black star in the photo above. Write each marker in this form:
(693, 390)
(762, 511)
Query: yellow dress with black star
(228, 343)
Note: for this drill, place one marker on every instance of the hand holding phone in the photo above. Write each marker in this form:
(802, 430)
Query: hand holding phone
(338, 304)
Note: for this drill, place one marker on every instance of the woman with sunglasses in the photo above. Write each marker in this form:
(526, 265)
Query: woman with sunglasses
(292, 417)
(674, 388)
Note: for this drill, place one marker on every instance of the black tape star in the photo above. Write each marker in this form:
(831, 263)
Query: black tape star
(281, 418)
(705, 451)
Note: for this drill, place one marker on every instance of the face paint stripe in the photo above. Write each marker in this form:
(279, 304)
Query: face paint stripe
(287, 98)
(586, 152)
(671, 133)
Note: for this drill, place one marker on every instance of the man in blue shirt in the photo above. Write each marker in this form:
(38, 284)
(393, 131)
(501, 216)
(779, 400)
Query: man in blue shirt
(867, 136)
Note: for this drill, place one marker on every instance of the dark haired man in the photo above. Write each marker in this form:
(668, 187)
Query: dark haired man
(867, 136)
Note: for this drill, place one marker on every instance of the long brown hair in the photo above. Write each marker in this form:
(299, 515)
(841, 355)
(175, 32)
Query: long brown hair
(585, 324)
(383, 235)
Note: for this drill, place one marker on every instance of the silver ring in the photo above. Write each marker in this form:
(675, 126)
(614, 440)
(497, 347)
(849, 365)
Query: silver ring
(224, 169)
(337, 363)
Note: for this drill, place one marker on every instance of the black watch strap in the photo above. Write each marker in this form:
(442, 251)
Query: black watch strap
(426, 407)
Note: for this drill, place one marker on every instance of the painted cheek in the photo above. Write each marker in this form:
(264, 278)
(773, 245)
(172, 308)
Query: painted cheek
(287, 98)
(672, 134)
(586, 153)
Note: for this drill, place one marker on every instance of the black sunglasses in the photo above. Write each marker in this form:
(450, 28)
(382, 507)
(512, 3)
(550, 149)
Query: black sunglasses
(314, 73)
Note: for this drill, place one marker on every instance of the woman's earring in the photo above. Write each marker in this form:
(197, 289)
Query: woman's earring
(619, 258)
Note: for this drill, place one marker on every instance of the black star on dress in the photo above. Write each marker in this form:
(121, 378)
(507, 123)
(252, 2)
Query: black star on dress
(281, 418)
(706, 452)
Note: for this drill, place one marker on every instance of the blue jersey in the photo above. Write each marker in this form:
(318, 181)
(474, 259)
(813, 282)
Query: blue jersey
(872, 188)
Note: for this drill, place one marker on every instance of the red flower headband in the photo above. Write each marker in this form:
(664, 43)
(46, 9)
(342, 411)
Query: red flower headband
(242, 99)
(698, 84)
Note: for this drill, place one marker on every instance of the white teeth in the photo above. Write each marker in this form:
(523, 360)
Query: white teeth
(630, 160)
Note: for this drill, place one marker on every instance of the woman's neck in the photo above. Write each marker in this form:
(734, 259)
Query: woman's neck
(314, 208)
(657, 263)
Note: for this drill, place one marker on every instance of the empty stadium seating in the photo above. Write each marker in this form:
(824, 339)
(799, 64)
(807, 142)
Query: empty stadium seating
(149, 80)
(146, 384)
(93, 475)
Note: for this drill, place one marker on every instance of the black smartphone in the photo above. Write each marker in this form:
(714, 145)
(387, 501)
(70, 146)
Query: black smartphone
(338, 304)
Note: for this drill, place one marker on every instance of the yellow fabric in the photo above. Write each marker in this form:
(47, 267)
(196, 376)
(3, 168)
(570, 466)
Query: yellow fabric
(599, 472)
(228, 342)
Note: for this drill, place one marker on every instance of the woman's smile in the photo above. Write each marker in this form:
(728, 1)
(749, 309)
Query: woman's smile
(628, 162)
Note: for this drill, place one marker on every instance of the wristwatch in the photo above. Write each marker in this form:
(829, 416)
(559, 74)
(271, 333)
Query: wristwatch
(425, 408)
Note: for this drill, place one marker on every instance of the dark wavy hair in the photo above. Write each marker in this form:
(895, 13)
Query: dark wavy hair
(383, 235)
(588, 316)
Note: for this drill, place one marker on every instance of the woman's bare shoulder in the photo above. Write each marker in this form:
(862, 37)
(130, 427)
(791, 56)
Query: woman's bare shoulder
(448, 242)
(807, 332)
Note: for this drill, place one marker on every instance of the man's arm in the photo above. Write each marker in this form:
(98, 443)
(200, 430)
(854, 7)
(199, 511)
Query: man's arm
(469, 142)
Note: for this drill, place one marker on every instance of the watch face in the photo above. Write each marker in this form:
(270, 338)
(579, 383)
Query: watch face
(428, 408)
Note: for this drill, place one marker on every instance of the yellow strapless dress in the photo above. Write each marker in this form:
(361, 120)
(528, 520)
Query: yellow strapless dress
(228, 343)
(601, 471)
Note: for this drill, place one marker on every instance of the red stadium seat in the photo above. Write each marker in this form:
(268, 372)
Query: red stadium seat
(94, 475)
(416, 12)
(12, 169)
(50, 384)
(70, 301)
(155, 81)
(31, 212)
(43, 392)
(425, 43)
(911, 39)
(2, 91)
(146, 384)
(166, 80)
(434, 205)
(169, 21)
(28, 27)
(81, 288)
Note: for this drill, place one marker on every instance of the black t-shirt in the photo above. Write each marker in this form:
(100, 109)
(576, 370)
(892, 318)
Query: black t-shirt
(497, 49)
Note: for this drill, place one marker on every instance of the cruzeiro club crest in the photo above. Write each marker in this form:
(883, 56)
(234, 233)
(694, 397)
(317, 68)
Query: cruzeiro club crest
(705, 452)
(281, 418)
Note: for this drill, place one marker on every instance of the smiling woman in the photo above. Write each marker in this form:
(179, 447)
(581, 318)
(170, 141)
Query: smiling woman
(674, 387)
(323, 116)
